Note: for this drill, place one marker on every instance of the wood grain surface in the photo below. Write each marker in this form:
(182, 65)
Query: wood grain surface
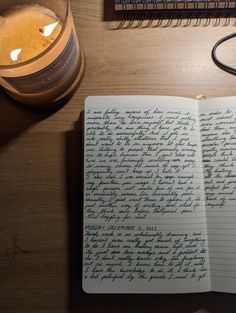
(41, 162)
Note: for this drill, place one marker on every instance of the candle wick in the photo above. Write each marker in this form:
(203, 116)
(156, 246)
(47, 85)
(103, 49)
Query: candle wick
(2, 19)
(48, 29)
(14, 54)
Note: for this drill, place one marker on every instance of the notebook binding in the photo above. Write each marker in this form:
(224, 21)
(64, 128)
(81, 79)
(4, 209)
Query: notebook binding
(176, 9)
(133, 5)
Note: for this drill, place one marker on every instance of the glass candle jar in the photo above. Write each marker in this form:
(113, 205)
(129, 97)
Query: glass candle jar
(41, 61)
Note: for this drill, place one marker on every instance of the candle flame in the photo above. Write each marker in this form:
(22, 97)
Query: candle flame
(15, 54)
(48, 30)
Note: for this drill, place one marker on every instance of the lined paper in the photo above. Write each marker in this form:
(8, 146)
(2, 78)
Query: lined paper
(144, 208)
(218, 136)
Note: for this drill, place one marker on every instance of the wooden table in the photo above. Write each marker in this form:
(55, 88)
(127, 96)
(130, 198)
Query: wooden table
(41, 163)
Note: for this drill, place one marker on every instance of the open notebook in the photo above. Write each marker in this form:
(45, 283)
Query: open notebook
(159, 195)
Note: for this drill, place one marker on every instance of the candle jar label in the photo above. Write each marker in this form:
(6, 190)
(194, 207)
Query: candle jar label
(52, 75)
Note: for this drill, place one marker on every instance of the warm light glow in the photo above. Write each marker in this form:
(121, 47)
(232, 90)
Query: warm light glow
(48, 30)
(31, 28)
(15, 54)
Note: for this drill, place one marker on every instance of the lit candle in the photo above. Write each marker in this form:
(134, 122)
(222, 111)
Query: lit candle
(27, 31)
(41, 62)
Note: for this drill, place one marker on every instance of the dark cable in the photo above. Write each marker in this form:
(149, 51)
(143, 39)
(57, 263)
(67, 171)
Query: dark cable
(220, 64)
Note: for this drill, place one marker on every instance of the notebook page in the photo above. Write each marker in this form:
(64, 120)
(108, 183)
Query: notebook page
(144, 215)
(218, 133)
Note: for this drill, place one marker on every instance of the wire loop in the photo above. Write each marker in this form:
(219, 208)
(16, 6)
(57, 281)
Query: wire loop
(220, 64)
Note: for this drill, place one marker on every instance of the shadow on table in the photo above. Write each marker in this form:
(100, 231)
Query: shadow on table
(78, 300)
(15, 118)
(74, 179)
